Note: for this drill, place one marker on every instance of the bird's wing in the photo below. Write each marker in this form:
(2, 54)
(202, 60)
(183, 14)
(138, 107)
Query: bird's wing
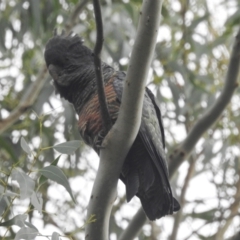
(152, 134)
(151, 129)
(145, 170)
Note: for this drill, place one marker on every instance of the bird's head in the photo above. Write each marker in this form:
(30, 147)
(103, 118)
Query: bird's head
(65, 55)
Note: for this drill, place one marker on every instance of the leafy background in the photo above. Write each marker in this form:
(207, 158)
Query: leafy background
(187, 75)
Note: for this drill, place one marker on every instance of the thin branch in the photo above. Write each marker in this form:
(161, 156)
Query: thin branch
(98, 68)
(26, 102)
(124, 131)
(178, 216)
(180, 154)
(31, 94)
(213, 113)
(135, 226)
(233, 212)
(205, 224)
(72, 19)
(196, 231)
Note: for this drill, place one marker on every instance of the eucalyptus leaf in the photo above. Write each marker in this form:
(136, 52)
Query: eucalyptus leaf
(28, 224)
(25, 182)
(42, 178)
(25, 146)
(4, 203)
(37, 201)
(55, 236)
(56, 174)
(17, 220)
(26, 233)
(8, 193)
(67, 147)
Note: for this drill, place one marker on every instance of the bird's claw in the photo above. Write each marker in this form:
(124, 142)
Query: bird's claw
(99, 140)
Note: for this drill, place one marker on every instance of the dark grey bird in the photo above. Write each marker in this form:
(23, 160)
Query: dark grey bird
(145, 171)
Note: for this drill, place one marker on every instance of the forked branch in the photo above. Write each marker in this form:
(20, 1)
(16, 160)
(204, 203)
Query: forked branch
(124, 131)
(213, 113)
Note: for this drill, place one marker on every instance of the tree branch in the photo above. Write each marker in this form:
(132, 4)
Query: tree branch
(107, 123)
(26, 102)
(178, 215)
(233, 212)
(124, 131)
(213, 113)
(135, 226)
(211, 116)
(31, 94)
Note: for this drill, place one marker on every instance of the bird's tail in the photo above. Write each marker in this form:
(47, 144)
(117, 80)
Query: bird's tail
(149, 183)
(157, 201)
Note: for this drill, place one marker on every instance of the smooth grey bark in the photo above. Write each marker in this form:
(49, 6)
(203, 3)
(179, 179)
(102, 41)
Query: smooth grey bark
(121, 136)
(135, 226)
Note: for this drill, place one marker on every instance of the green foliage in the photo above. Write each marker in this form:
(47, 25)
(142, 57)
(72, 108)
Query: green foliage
(188, 73)
(28, 189)
(67, 147)
(54, 173)
(42, 178)
(26, 233)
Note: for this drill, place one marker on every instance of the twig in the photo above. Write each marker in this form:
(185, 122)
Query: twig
(123, 133)
(31, 94)
(98, 68)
